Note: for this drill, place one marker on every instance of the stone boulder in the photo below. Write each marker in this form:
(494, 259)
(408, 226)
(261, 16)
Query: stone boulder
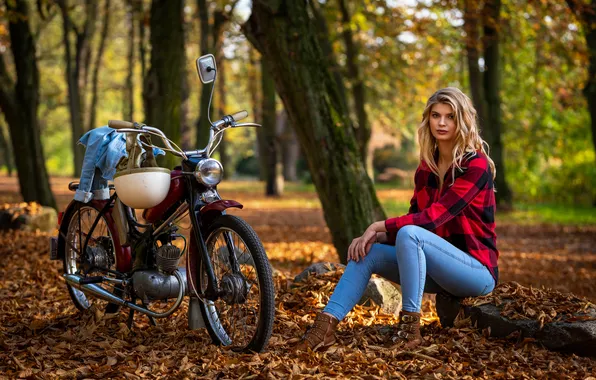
(29, 217)
(382, 292)
(578, 336)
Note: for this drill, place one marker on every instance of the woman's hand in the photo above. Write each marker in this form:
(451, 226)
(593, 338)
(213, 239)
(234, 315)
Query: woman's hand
(361, 245)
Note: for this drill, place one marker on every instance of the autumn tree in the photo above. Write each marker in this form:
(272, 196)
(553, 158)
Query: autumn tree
(586, 15)
(485, 86)
(19, 101)
(163, 94)
(284, 33)
(77, 58)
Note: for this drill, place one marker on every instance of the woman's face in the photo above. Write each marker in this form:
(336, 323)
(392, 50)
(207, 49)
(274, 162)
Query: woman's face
(442, 122)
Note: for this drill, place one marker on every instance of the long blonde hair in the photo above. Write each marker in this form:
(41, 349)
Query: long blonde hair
(467, 134)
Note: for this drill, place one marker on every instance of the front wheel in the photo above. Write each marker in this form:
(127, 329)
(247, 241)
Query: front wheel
(242, 317)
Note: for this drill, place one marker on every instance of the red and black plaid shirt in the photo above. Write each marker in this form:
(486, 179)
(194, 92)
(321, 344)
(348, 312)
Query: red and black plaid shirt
(463, 213)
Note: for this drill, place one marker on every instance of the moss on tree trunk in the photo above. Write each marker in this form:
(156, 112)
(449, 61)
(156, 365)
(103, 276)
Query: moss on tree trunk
(286, 37)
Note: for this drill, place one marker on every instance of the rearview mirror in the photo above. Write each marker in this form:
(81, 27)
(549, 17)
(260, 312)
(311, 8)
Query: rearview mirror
(206, 68)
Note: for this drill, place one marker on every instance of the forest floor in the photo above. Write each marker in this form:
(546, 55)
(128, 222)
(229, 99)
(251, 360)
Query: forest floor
(42, 335)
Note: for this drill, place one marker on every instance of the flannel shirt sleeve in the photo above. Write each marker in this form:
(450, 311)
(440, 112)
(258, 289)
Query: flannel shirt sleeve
(453, 201)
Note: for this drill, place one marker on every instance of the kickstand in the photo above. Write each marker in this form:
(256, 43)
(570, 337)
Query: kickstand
(131, 314)
(151, 319)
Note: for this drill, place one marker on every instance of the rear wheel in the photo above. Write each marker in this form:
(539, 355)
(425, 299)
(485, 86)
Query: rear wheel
(100, 251)
(242, 318)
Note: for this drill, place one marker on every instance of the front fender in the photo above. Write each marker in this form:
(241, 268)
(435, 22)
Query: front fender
(214, 209)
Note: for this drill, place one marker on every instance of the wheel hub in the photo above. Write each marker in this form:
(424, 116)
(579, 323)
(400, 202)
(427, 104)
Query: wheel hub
(234, 288)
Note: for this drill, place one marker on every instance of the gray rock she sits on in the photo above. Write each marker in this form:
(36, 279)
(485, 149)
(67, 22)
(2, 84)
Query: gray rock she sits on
(578, 337)
(382, 292)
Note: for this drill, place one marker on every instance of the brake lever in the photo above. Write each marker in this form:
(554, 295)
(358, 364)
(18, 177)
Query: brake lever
(246, 125)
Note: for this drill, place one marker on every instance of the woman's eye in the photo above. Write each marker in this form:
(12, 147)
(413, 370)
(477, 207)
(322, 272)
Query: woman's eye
(451, 117)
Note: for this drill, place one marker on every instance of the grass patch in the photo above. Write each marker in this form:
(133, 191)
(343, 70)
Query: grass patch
(524, 213)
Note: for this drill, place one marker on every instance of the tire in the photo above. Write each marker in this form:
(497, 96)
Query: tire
(70, 242)
(254, 265)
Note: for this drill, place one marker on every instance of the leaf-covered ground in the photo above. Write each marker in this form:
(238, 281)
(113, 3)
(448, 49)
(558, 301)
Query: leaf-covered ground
(43, 336)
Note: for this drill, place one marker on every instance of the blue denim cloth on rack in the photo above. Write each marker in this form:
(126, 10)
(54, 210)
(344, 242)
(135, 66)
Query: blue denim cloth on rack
(104, 148)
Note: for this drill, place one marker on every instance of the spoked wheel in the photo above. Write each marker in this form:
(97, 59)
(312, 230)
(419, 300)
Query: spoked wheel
(100, 251)
(242, 317)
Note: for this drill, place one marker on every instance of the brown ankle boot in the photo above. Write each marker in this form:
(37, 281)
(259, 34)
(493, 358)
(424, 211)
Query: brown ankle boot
(320, 336)
(408, 330)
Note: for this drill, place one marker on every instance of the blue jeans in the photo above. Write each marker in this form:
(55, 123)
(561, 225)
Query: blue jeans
(420, 261)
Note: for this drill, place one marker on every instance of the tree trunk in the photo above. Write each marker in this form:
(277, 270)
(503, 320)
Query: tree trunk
(286, 37)
(471, 26)
(492, 130)
(19, 103)
(202, 132)
(362, 129)
(221, 110)
(94, 80)
(76, 74)
(587, 16)
(290, 146)
(128, 100)
(329, 56)
(164, 81)
(253, 89)
(274, 170)
(6, 149)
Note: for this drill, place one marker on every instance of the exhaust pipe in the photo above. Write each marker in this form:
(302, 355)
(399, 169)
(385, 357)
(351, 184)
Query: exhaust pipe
(96, 290)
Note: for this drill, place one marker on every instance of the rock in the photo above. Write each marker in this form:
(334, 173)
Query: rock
(448, 307)
(18, 217)
(46, 220)
(382, 292)
(316, 269)
(578, 337)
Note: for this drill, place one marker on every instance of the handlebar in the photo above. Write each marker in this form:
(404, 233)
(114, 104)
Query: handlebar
(218, 126)
(239, 115)
(119, 124)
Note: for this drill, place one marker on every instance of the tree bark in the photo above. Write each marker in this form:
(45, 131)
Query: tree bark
(163, 92)
(95, 78)
(202, 132)
(471, 26)
(286, 37)
(274, 180)
(253, 88)
(128, 100)
(6, 149)
(587, 16)
(19, 102)
(492, 130)
(76, 73)
(290, 146)
(221, 110)
(362, 128)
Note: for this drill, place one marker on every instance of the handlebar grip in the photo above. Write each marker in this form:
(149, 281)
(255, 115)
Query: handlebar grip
(239, 115)
(119, 124)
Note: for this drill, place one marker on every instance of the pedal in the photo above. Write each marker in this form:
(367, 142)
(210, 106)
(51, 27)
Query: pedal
(54, 248)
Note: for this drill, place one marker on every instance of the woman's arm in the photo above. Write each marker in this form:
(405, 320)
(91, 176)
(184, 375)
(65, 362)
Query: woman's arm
(454, 200)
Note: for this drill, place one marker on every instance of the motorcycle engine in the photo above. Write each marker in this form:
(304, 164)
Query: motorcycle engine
(160, 284)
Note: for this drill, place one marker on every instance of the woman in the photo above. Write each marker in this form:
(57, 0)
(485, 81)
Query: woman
(447, 241)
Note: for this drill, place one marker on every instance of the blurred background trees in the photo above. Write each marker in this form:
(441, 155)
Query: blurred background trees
(529, 67)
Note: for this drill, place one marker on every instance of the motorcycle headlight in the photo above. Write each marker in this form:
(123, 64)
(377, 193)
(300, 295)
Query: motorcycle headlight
(209, 172)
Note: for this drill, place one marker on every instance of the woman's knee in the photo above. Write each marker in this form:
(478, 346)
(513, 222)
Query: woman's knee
(407, 234)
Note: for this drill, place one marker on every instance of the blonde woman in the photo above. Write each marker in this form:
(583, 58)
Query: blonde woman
(446, 242)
